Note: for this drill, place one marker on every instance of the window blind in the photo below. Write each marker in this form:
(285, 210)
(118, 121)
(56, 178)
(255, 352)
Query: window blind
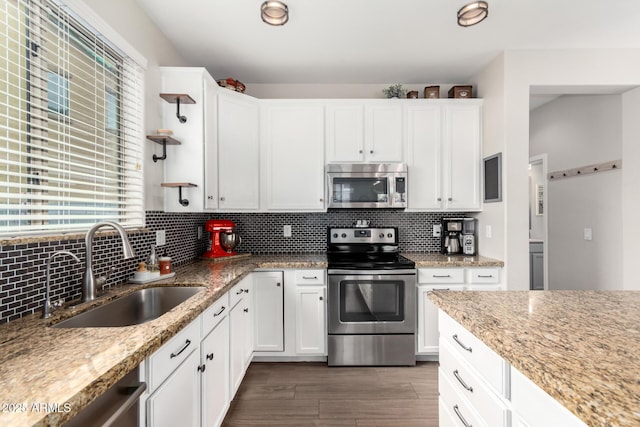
(70, 124)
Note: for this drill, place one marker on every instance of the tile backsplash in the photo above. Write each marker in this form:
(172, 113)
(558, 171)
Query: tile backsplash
(23, 266)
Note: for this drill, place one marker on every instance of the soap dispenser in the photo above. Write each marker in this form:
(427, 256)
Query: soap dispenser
(152, 262)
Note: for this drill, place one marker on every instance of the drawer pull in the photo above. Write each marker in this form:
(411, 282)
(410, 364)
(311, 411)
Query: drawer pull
(441, 276)
(241, 291)
(455, 338)
(246, 310)
(220, 312)
(484, 276)
(183, 348)
(202, 367)
(310, 277)
(457, 375)
(246, 291)
(457, 411)
(210, 356)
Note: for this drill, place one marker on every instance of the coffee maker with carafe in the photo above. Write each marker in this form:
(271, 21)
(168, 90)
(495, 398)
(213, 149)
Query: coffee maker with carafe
(450, 235)
(224, 238)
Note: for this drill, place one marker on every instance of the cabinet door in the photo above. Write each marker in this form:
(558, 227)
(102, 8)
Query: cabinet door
(345, 133)
(215, 377)
(383, 133)
(428, 334)
(210, 145)
(238, 152)
(424, 156)
(177, 401)
(310, 320)
(293, 174)
(462, 148)
(237, 339)
(268, 313)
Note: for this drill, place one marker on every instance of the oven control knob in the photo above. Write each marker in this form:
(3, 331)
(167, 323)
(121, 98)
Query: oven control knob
(344, 235)
(381, 235)
(390, 235)
(335, 235)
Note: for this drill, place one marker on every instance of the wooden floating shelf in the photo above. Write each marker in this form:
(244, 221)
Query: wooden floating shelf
(585, 170)
(175, 98)
(177, 184)
(163, 139)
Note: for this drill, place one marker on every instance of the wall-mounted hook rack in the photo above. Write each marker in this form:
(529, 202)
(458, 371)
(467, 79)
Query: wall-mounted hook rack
(585, 170)
(183, 202)
(178, 98)
(163, 140)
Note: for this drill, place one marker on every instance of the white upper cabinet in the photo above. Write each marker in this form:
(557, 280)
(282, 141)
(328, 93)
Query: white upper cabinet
(211, 145)
(462, 148)
(238, 152)
(365, 131)
(383, 132)
(424, 154)
(443, 155)
(293, 156)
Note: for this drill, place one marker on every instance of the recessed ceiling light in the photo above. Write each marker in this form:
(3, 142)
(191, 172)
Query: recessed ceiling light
(274, 12)
(472, 13)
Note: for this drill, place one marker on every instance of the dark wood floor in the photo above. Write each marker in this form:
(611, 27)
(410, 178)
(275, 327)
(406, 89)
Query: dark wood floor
(314, 395)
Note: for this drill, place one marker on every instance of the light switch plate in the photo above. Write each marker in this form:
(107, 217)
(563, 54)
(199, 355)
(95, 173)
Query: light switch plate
(487, 231)
(437, 230)
(588, 234)
(286, 231)
(161, 238)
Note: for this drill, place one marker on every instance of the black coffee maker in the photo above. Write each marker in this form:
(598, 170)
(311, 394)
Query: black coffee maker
(450, 236)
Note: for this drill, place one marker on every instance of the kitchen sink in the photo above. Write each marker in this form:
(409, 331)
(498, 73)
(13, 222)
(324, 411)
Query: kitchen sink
(135, 308)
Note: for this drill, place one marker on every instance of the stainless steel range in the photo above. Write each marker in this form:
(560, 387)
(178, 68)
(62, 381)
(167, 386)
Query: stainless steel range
(371, 306)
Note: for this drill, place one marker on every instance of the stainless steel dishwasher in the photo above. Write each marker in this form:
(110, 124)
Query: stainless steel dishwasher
(118, 406)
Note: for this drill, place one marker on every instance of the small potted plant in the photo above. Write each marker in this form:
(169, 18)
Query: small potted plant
(395, 91)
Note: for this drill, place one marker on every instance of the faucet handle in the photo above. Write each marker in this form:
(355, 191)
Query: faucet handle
(102, 280)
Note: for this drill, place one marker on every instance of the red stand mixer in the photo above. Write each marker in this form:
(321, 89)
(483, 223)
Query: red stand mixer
(224, 239)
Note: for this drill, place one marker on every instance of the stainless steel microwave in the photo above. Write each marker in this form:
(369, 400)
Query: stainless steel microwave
(367, 185)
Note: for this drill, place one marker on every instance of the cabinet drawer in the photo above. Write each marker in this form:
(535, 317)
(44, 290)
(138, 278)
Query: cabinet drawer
(458, 408)
(214, 314)
(441, 275)
(168, 357)
(467, 382)
(484, 275)
(310, 277)
(492, 367)
(238, 292)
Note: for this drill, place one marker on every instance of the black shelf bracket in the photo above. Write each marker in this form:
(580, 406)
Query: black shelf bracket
(181, 119)
(183, 202)
(164, 151)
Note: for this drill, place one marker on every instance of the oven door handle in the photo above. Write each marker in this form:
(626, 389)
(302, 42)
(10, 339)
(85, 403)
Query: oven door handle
(370, 272)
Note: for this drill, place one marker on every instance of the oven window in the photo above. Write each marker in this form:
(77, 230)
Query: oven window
(360, 190)
(371, 301)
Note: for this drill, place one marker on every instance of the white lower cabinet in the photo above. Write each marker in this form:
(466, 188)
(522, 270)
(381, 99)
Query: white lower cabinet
(268, 313)
(214, 355)
(428, 318)
(311, 320)
(240, 330)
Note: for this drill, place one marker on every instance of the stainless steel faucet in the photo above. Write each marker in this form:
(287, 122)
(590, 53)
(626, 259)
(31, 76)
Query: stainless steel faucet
(89, 280)
(48, 305)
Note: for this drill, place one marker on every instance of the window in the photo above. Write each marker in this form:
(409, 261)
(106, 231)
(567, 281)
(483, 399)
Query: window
(70, 123)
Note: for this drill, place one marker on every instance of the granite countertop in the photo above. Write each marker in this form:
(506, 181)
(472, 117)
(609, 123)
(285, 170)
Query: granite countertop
(71, 367)
(436, 259)
(581, 347)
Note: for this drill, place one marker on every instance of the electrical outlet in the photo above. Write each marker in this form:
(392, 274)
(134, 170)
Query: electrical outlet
(286, 231)
(437, 230)
(588, 234)
(161, 238)
(199, 232)
(487, 231)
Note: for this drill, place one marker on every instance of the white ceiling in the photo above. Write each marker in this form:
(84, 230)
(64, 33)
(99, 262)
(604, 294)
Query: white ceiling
(381, 41)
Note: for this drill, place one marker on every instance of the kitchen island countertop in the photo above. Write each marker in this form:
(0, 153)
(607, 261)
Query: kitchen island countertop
(580, 347)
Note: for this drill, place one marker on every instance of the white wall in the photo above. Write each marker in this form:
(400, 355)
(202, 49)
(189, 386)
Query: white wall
(130, 21)
(329, 91)
(630, 185)
(523, 69)
(536, 177)
(576, 131)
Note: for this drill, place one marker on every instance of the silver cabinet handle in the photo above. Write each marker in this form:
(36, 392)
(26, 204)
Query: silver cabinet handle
(222, 199)
(220, 312)
(202, 367)
(450, 199)
(131, 400)
(485, 276)
(455, 338)
(209, 197)
(441, 276)
(246, 291)
(439, 199)
(278, 284)
(457, 411)
(241, 291)
(457, 375)
(370, 151)
(321, 298)
(310, 277)
(210, 356)
(246, 310)
(183, 348)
